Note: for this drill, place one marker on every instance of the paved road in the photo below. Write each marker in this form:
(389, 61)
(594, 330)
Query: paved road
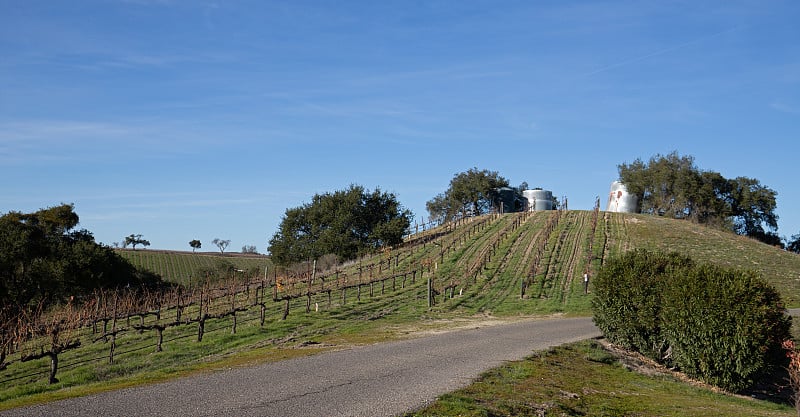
(379, 380)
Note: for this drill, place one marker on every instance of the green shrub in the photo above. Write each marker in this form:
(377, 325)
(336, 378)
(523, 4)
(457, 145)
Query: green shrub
(724, 326)
(627, 302)
(720, 325)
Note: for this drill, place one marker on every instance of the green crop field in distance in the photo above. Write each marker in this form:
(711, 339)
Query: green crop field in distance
(187, 267)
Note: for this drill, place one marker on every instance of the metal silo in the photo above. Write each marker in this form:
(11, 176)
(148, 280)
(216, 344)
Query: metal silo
(505, 199)
(509, 200)
(620, 200)
(539, 199)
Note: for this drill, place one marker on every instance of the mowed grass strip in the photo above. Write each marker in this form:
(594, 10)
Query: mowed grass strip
(585, 379)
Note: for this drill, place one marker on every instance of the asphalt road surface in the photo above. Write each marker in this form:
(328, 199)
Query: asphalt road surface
(384, 379)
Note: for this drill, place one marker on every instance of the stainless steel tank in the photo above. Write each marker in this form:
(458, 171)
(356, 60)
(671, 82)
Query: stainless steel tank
(539, 199)
(508, 197)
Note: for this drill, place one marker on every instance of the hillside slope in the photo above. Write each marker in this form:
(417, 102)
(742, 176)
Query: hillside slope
(514, 263)
(777, 266)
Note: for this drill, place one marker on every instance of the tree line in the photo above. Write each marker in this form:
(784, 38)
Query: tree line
(673, 186)
(349, 222)
(44, 260)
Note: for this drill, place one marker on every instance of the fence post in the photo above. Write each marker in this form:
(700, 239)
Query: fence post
(430, 294)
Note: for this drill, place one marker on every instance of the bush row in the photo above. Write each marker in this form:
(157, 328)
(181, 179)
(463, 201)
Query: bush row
(719, 325)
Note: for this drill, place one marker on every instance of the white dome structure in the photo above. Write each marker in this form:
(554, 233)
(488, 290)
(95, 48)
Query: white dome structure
(620, 200)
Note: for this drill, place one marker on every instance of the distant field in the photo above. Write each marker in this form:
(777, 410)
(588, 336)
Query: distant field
(187, 267)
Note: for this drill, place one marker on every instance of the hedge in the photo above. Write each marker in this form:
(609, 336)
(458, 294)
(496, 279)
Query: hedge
(722, 326)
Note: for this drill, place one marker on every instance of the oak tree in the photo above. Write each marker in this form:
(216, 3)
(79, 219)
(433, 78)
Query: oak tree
(794, 244)
(470, 193)
(136, 239)
(345, 223)
(222, 244)
(673, 186)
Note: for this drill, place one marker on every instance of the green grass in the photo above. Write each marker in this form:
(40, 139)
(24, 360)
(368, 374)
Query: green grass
(779, 267)
(394, 313)
(584, 379)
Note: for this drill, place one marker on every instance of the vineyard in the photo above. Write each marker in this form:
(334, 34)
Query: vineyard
(187, 268)
(512, 264)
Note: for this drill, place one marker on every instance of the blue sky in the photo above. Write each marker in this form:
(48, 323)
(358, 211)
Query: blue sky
(192, 119)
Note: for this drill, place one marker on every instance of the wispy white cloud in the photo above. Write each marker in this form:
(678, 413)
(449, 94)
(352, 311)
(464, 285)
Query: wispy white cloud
(76, 40)
(51, 142)
(439, 74)
(161, 206)
(149, 2)
(113, 59)
(55, 130)
(661, 51)
(115, 203)
(41, 141)
(191, 3)
(785, 108)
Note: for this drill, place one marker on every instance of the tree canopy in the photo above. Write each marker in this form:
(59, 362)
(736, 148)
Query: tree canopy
(345, 223)
(222, 244)
(44, 260)
(135, 239)
(470, 193)
(794, 244)
(673, 186)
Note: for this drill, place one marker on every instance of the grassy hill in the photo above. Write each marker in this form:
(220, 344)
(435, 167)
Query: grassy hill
(491, 266)
(556, 276)
(779, 267)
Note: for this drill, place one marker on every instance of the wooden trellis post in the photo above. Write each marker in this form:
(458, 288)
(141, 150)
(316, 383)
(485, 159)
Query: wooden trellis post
(286, 309)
